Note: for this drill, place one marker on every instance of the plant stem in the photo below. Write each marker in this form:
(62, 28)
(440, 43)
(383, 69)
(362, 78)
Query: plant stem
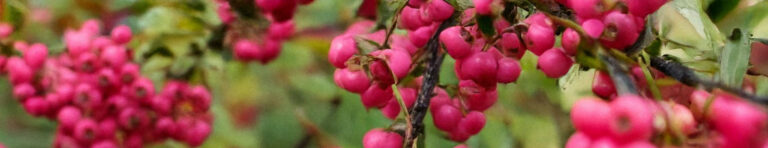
(621, 79)
(431, 75)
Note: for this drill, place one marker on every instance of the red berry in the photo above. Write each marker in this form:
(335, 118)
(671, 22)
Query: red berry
(5, 30)
(632, 120)
(420, 36)
(539, 19)
(472, 123)
(455, 42)
(620, 31)
(570, 41)
(593, 27)
(114, 56)
(508, 71)
(378, 138)
(480, 67)
(18, 71)
(121, 34)
(410, 18)
(591, 115)
(439, 10)
(36, 106)
(85, 130)
(539, 38)
(376, 96)
(446, 117)
(483, 7)
(247, 50)
(554, 63)
(35, 56)
(353, 81)
(578, 140)
(342, 48)
(602, 85)
(587, 8)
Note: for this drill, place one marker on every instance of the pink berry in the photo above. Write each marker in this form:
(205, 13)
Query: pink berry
(683, 119)
(391, 110)
(133, 118)
(353, 81)
(23, 91)
(620, 31)
(86, 96)
(639, 144)
(198, 133)
(455, 42)
(593, 27)
(85, 130)
(481, 101)
(602, 85)
(632, 120)
(587, 8)
(416, 3)
(480, 67)
(473, 122)
(539, 19)
(270, 50)
(378, 138)
(36, 106)
(367, 9)
(439, 10)
(247, 50)
(77, 42)
(280, 31)
(5, 30)
(461, 146)
(643, 8)
(410, 18)
(121, 34)
(403, 43)
(458, 135)
(342, 48)
(166, 126)
(224, 11)
(142, 89)
(739, 122)
(200, 97)
(570, 41)
(482, 7)
(398, 62)
(420, 36)
(590, 116)
(107, 128)
(446, 117)
(20, 46)
(578, 140)
(18, 70)
(35, 56)
(510, 43)
(68, 117)
(91, 27)
(508, 71)
(105, 144)
(376, 96)
(539, 38)
(554, 63)
(129, 73)
(604, 142)
(114, 56)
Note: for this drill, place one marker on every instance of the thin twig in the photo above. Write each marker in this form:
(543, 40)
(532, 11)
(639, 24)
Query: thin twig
(431, 76)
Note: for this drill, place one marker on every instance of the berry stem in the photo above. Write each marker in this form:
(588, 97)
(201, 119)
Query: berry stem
(648, 77)
(391, 28)
(431, 75)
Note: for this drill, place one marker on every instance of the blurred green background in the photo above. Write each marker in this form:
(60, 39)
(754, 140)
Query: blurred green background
(293, 101)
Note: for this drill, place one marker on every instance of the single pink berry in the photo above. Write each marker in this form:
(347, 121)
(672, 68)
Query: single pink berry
(602, 85)
(455, 42)
(77, 42)
(420, 37)
(247, 50)
(224, 11)
(23, 91)
(643, 8)
(367, 9)
(270, 50)
(554, 63)
(129, 73)
(473, 122)
(587, 8)
(107, 78)
(142, 89)
(114, 56)
(510, 43)
(376, 96)
(483, 7)
(410, 18)
(105, 144)
(391, 110)
(481, 101)
(620, 31)
(121, 34)
(305, 2)
(85, 130)
(593, 27)
(18, 70)
(481, 67)
(378, 138)
(439, 10)
(632, 120)
(683, 119)
(446, 118)
(133, 118)
(639, 144)
(5, 30)
(578, 140)
(280, 31)
(591, 115)
(604, 142)
(403, 43)
(539, 38)
(342, 48)
(458, 135)
(107, 128)
(539, 19)
(508, 71)
(99, 43)
(68, 117)
(398, 62)
(570, 41)
(461, 146)
(353, 81)
(200, 97)
(198, 133)
(37, 106)
(166, 126)
(20, 46)
(91, 27)
(416, 3)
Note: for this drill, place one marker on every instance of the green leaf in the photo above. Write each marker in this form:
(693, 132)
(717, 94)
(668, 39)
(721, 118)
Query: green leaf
(734, 60)
(719, 8)
(687, 32)
(485, 23)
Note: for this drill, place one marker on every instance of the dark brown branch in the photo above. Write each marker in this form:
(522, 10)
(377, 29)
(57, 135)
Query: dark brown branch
(434, 59)
(621, 78)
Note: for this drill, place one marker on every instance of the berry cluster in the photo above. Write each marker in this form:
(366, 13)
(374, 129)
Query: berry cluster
(98, 96)
(626, 121)
(261, 47)
(737, 123)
